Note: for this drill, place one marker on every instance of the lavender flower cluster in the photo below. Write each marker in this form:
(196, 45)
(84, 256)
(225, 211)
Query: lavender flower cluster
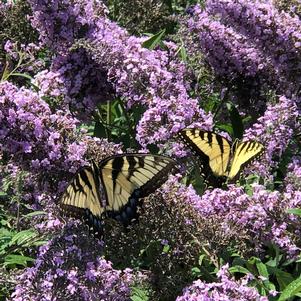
(225, 290)
(70, 267)
(250, 43)
(41, 142)
(262, 216)
(276, 33)
(154, 79)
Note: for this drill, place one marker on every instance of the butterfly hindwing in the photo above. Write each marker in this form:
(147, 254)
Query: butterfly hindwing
(128, 178)
(214, 149)
(243, 153)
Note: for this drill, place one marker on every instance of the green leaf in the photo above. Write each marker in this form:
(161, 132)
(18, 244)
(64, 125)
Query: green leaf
(183, 54)
(166, 248)
(291, 290)
(27, 76)
(283, 278)
(2, 193)
(23, 237)
(195, 271)
(139, 294)
(238, 269)
(225, 127)
(236, 121)
(12, 260)
(295, 211)
(154, 40)
(35, 213)
(99, 130)
(262, 269)
(201, 258)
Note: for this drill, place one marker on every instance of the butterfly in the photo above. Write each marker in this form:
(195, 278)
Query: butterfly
(125, 180)
(224, 159)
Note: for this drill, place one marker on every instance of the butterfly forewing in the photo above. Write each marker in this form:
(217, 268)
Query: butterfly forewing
(213, 148)
(243, 153)
(128, 178)
(81, 198)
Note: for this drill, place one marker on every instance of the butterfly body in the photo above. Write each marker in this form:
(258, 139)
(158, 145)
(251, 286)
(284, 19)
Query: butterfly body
(224, 159)
(115, 187)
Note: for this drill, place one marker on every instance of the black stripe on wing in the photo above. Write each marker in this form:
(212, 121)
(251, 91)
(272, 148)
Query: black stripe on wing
(75, 193)
(137, 164)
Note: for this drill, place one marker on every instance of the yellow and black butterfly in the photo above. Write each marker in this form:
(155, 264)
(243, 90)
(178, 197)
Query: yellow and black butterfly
(125, 179)
(224, 159)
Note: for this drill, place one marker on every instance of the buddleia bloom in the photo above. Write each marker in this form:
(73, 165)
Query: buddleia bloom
(70, 267)
(275, 33)
(225, 290)
(155, 79)
(42, 142)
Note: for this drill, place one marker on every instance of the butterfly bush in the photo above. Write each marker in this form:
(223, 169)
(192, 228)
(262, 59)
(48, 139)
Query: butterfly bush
(70, 266)
(228, 52)
(249, 45)
(234, 58)
(42, 142)
(154, 78)
(94, 61)
(261, 216)
(76, 82)
(276, 33)
(24, 57)
(73, 78)
(275, 130)
(293, 176)
(227, 289)
(60, 23)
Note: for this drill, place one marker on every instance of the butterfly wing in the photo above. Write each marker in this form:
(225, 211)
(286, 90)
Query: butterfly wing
(214, 149)
(82, 199)
(243, 153)
(130, 177)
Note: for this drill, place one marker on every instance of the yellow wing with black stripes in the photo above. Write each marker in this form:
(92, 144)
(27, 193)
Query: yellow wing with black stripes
(243, 153)
(214, 149)
(125, 179)
(223, 158)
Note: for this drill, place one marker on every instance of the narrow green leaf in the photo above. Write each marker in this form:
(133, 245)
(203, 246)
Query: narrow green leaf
(291, 290)
(238, 269)
(12, 260)
(35, 213)
(283, 278)
(154, 40)
(225, 127)
(201, 258)
(23, 237)
(139, 294)
(22, 75)
(236, 121)
(99, 130)
(183, 53)
(195, 271)
(166, 248)
(27, 76)
(295, 211)
(262, 269)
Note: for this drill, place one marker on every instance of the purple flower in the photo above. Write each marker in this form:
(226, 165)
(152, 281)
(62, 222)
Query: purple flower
(110, 58)
(225, 290)
(275, 33)
(77, 278)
